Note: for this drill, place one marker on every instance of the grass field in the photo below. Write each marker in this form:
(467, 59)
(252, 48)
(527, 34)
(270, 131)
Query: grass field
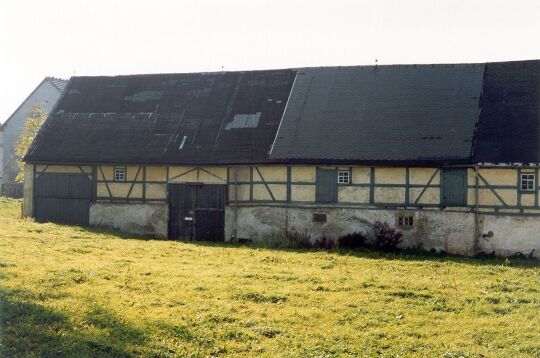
(68, 291)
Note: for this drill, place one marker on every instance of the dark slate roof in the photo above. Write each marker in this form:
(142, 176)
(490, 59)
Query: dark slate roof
(400, 113)
(509, 126)
(198, 118)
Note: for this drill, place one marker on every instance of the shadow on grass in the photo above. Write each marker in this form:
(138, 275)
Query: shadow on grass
(28, 328)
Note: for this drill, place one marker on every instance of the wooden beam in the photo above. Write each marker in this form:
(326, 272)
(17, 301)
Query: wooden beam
(265, 184)
(106, 182)
(133, 183)
(184, 173)
(426, 186)
(491, 189)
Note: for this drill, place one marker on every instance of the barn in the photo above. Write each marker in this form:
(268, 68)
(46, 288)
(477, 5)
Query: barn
(447, 153)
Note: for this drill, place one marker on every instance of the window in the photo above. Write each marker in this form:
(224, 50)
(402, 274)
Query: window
(326, 186)
(454, 187)
(528, 181)
(343, 177)
(119, 174)
(405, 220)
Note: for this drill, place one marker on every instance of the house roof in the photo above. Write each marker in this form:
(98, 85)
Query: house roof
(198, 118)
(381, 113)
(58, 83)
(508, 129)
(397, 114)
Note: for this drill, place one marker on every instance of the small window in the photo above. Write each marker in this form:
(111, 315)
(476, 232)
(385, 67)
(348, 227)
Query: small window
(319, 218)
(119, 174)
(405, 221)
(528, 181)
(343, 177)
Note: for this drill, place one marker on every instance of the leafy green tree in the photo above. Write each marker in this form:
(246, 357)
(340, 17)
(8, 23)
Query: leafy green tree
(33, 123)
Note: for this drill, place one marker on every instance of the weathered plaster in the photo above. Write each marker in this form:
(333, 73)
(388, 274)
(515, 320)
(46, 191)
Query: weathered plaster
(146, 219)
(452, 232)
(511, 234)
(28, 190)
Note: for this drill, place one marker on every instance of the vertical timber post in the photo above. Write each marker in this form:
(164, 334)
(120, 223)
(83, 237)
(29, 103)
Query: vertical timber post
(235, 231)
(476, 206)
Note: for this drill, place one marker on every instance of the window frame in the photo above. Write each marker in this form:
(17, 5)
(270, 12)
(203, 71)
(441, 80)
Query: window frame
(405, 221)
(348, 173)
(532, 180)
(119, 168)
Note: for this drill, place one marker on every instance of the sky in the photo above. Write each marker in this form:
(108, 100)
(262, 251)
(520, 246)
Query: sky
(64, 38)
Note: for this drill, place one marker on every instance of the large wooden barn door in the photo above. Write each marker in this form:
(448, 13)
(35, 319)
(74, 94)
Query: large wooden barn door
(62, 198)
(197, 212)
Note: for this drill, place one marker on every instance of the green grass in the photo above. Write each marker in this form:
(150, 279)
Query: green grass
(69, 291)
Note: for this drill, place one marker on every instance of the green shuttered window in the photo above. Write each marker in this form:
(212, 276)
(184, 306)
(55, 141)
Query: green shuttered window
(326, 186)
(454, 187)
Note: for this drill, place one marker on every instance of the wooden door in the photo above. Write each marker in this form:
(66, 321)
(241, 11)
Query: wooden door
(197, 212)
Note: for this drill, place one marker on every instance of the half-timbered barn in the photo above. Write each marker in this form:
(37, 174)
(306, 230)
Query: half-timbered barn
(448, 154)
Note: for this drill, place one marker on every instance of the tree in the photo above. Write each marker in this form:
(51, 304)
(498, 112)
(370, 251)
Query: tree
(33, 123)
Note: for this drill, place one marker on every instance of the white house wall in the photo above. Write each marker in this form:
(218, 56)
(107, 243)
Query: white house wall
(45, 95)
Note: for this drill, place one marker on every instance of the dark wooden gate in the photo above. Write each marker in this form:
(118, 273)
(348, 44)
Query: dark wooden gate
(197, 212)
(62, 198)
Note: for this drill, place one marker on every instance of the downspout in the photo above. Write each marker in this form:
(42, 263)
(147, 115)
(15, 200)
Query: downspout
(476, 218)
(235, 230)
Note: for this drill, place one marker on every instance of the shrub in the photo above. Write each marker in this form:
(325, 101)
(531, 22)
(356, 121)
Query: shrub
(386, 237)
(354, 240)
(297, 240)
(325, 243)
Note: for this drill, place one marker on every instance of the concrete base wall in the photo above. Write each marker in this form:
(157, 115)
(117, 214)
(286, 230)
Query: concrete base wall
(451, 232)
(28, 190)
(508, 235)
(146, 219)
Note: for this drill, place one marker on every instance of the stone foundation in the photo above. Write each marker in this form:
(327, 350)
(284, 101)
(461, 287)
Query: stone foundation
(145, 219)
(451, 232)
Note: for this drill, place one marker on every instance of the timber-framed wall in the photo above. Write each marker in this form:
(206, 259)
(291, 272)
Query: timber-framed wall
(497, 188)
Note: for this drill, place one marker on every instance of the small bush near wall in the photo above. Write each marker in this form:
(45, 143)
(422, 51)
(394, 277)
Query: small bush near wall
(386, 237)
(354, 240)
(298, 240)
(325, 243)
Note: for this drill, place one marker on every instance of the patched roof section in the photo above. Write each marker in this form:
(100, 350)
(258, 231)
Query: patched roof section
(509, 127)
(397, 114)
(381, 113)
(165, 118)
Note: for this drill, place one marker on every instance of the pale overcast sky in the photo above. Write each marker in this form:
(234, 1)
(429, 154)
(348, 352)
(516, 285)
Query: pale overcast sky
(65, 38)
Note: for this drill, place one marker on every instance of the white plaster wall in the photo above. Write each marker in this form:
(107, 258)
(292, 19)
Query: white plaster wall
(146, 219)
(28, 190)
(46, 95)
(511, 234)
(451, 232)
(1, 155)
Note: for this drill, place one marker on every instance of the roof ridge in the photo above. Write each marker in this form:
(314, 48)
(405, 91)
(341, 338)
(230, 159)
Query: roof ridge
(57, 82)
(302, 68)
